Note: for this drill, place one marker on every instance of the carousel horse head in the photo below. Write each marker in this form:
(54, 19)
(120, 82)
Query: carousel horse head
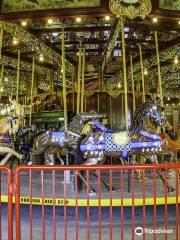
(148, 111)
(18, 108)
(10, 125)
(82, 120)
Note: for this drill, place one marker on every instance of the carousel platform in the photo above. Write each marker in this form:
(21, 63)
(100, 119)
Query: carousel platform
(93, 199)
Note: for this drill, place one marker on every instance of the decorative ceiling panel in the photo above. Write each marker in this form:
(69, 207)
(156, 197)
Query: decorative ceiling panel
(30, 5)
(170, 4)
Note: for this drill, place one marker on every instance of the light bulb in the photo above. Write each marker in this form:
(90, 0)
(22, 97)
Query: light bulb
(155, 20)
(24, 23)
(78, 19)
(107, 18)
(176, 60)
(119, 85)
(41, 58)
(50, 21)
(145, 72)
(15, 41)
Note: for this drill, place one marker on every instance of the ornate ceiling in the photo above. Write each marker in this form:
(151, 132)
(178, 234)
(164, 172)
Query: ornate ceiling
(100, 37)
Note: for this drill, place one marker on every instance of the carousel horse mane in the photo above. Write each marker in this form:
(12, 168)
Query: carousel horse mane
(142, 114)
(80, 120)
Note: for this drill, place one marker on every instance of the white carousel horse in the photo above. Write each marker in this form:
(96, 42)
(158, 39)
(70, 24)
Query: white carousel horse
(9, 126)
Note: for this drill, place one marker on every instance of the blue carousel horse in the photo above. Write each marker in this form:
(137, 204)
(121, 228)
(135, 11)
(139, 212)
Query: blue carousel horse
(137, 141)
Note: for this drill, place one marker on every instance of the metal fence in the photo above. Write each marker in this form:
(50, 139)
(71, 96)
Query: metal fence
(72, 210)
(6, 211)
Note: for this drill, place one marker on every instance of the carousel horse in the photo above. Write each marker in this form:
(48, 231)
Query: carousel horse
(9, 127)
(49, 142)
(137, 141)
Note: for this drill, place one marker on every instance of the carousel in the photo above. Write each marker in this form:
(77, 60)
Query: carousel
(90, 83)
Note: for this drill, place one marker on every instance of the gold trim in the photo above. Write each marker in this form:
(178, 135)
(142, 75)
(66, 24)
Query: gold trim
(130, 11)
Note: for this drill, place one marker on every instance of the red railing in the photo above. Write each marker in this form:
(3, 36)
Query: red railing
(50, 186)
(6, 212)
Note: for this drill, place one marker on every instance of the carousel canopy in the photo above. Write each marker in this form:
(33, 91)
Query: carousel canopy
(33, 29)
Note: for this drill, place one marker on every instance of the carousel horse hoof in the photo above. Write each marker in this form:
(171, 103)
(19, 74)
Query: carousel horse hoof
(50, 164)
(29, 163)
(171, 189)
(92, 193)
(113, 189)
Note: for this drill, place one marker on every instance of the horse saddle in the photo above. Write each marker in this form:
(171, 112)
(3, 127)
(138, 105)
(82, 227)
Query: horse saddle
(118, 141)
(4, 138)
(120, 138)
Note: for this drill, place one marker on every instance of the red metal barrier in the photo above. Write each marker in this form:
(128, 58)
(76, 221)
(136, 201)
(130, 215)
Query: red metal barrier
(6, 192)
(130, 193)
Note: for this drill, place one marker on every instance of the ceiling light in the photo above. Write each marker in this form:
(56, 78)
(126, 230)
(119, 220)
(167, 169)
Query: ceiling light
(179, 22)
(24, 23)
(107, 18)
(50, 21)
(78, 19)
(41, 58)
(168, 98)
(145, 72)
(15, 41)
(176, 60)
(155, 20)
(119, 85)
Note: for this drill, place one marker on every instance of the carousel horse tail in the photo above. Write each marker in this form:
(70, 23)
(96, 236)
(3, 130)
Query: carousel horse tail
(154, 160)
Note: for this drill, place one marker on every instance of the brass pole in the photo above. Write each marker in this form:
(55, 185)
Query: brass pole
(132, 81)
(73, 89)
(111, 116)
(17, 78)
(79, 81)
(11, 88)
(64, 82)
(1, 42)
(1, 80)
(124, 73)
(159, 69)
(98, 109)
(32, 86)
(82, 87)
(85, 103)
(99, 78)
(142, 74)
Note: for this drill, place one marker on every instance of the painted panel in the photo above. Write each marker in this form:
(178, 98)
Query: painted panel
(30, 5)
(170, 4)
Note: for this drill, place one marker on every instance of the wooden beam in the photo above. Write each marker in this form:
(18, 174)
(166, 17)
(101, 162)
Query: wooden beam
(28, 59)
(160, 26)
(87, 50)
(71, 29)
